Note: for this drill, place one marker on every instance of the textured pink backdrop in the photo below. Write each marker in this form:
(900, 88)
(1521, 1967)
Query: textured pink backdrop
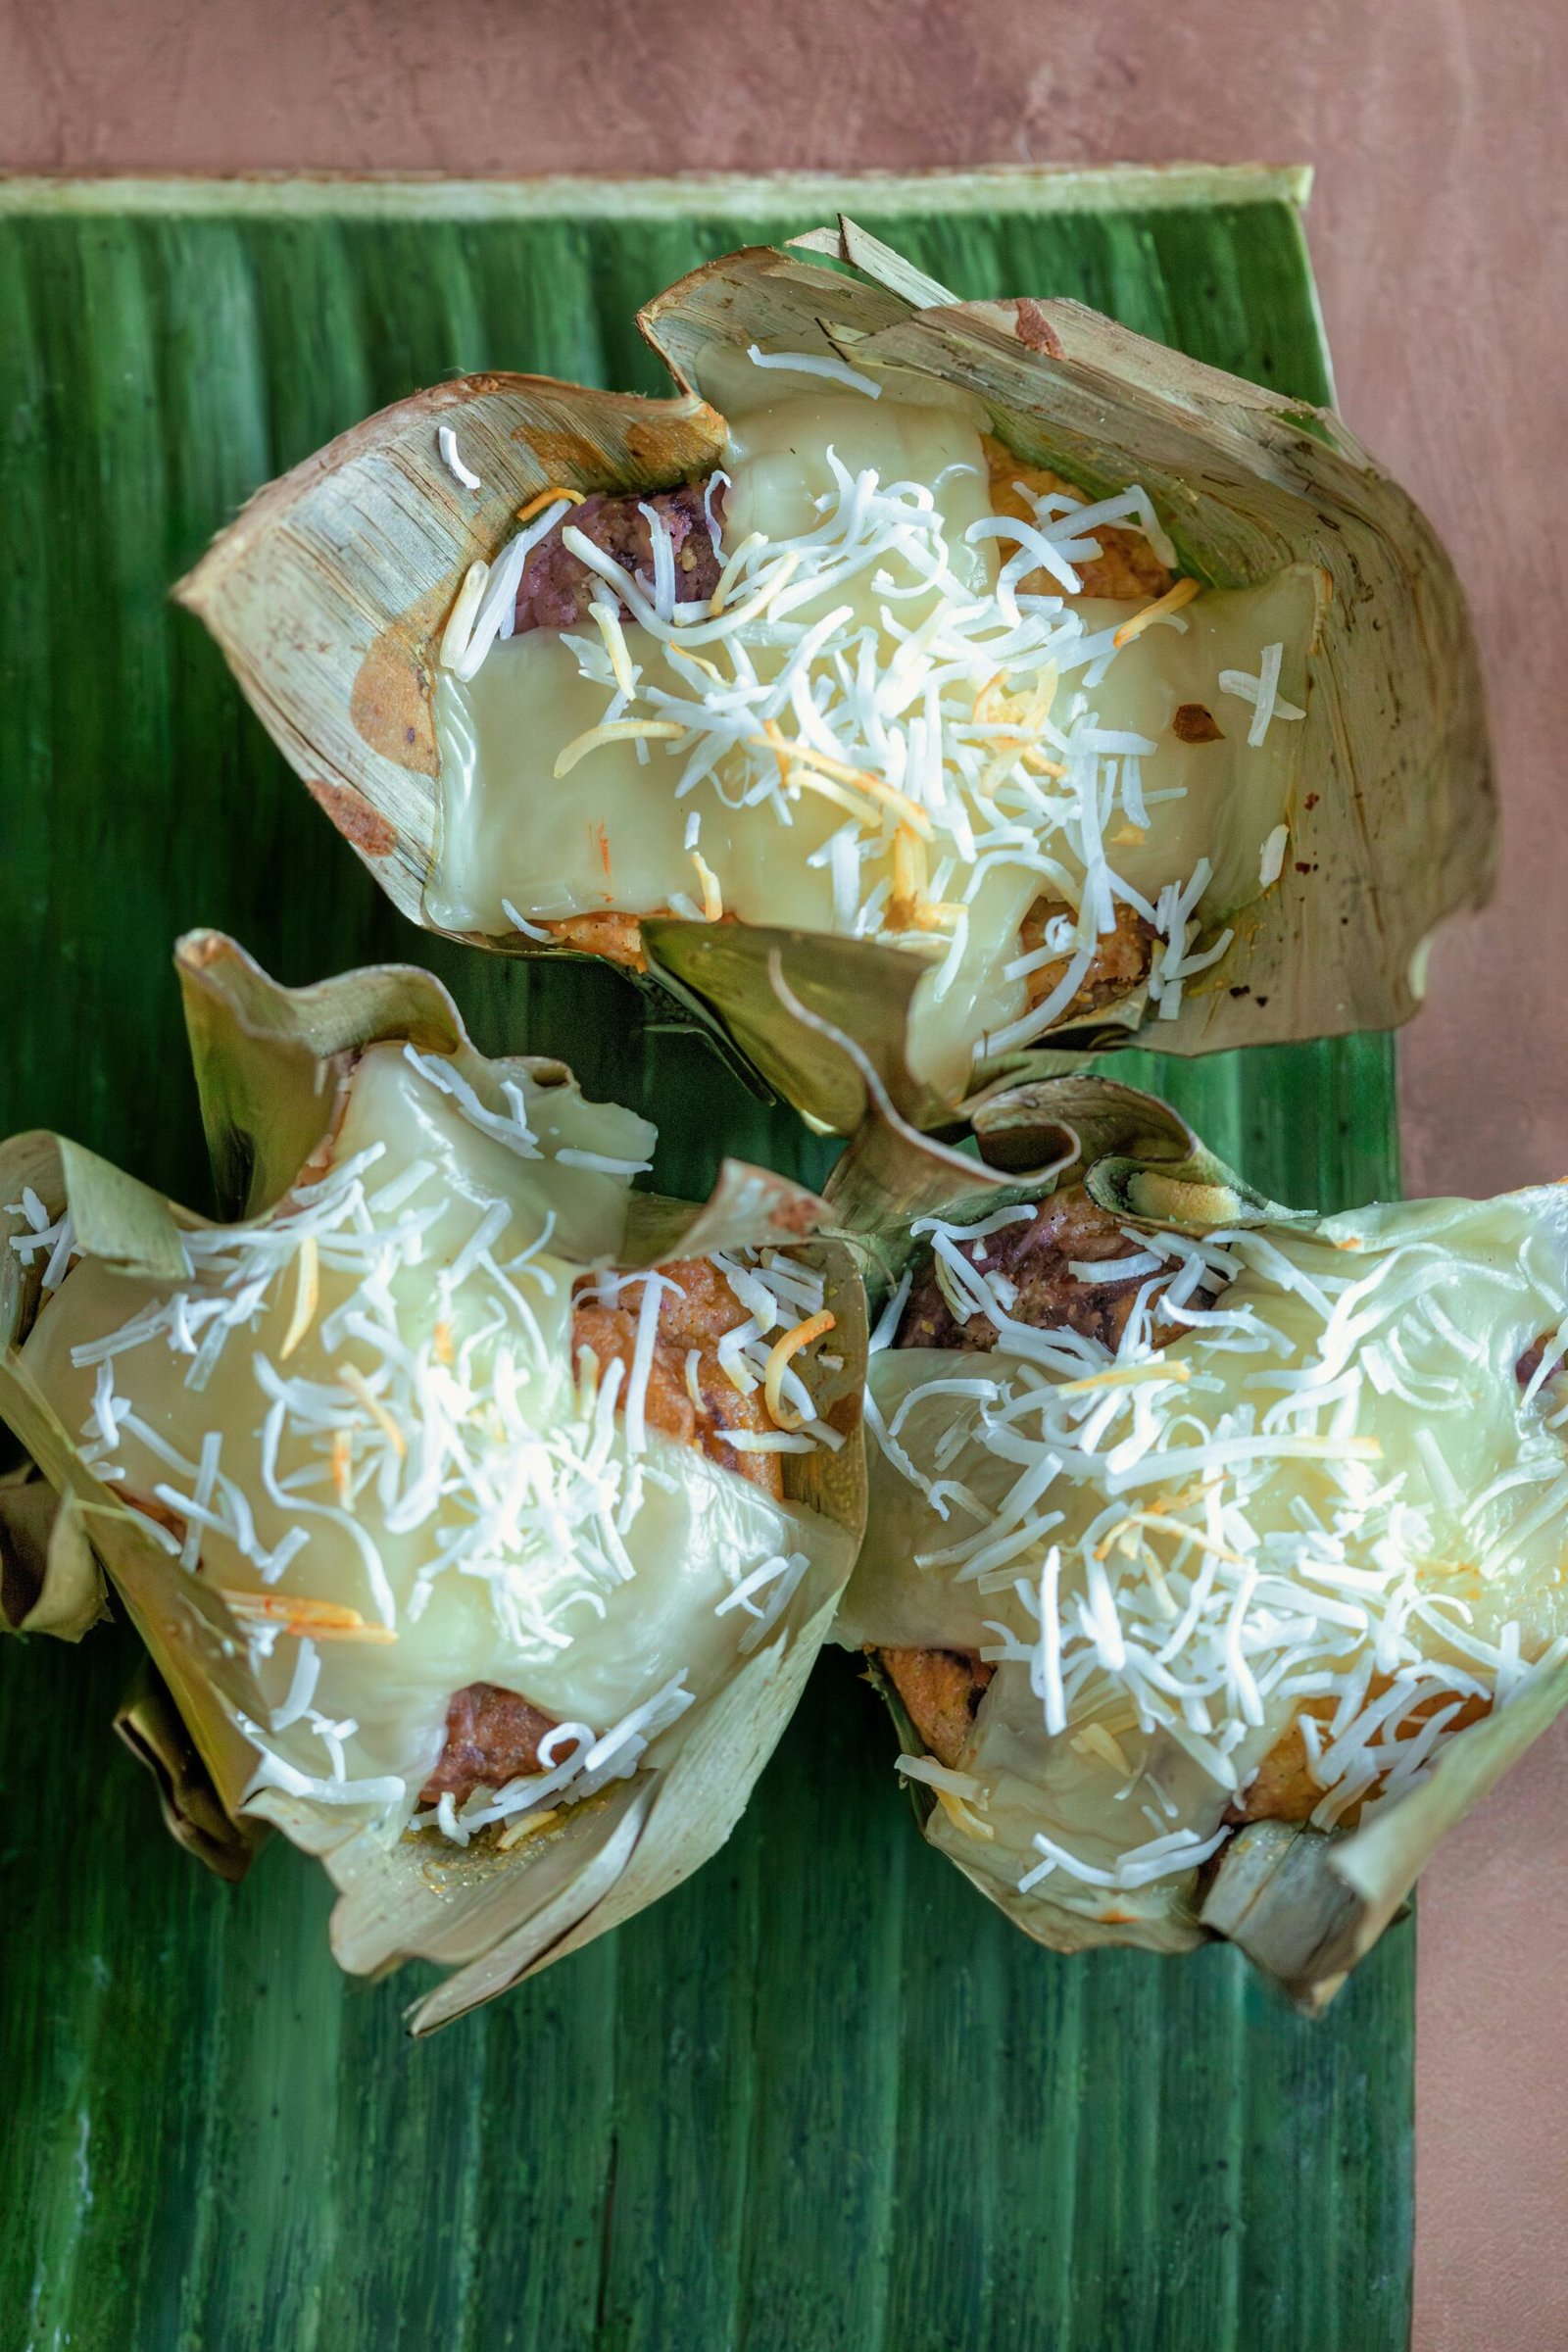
(1440, 230)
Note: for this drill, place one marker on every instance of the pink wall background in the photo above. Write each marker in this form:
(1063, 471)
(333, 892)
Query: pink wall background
(1439, 231)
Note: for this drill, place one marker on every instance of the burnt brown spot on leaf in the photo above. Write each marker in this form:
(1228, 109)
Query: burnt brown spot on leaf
(366, 827)
(1033, 328)
(390, 701)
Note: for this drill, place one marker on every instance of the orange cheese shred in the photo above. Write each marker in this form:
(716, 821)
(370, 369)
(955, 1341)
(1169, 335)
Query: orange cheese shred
(778, 1360)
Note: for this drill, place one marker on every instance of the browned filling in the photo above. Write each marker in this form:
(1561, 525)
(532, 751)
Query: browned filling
(698, 1316)
(606, 932)
(1533, 1356)
(1195, 722)
(1119, 964)
(1126, 567)
(1283, 1788)
(558, 587)
(1037, 1259)
(493, 1736)
(492, 1733)
(941, 1690)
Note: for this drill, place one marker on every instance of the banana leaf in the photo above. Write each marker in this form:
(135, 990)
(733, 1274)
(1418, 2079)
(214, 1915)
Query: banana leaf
(271, 1069)
(330, 592)
(49, 1580)
(733, 2119)
(1307, 1904)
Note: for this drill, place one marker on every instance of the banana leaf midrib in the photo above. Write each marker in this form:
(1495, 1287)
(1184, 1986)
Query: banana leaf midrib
(1030, 190)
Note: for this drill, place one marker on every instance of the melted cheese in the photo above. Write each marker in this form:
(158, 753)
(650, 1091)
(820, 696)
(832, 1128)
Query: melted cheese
(1414, 1486)
(595, 1579)
(611, 832)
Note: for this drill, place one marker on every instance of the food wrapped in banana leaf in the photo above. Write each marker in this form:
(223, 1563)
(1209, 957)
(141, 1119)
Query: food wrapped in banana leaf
(1110, 689)
(482, 1516)
(1215, 1551)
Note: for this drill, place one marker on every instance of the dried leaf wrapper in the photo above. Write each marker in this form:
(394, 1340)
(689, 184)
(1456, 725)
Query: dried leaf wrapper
(273, 1068)
(329, 593)
(1307, 1904)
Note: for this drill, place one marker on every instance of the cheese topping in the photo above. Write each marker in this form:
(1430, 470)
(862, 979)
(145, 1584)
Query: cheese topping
(872, 668)
(1331, 1501)
(360, 1420)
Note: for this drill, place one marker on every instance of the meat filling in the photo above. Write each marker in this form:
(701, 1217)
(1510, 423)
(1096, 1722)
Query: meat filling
(606, 932)
(1120, 961)
(1036, 1260)
(1126, 566)
(1195, 722)
(1283, 1788)
(691, 1323)
(493, 1735)
(558, 587)
(941, 1690)
(1533, 1356)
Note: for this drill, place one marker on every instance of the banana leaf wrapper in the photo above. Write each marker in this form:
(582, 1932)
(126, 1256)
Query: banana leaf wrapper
(49, 1580)
(329, 592)
(268, 1063)
(1303, 1903)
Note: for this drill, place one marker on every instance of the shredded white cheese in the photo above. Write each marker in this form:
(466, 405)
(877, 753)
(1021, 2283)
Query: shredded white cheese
(813, 362)
(1191, 1543)
(417, 1411)
(1262, 692)
(954, 728)
(1271, 862)
(446, 443)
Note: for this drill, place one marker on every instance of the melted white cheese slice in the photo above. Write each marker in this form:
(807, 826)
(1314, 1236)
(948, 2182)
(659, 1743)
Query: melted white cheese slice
(532, 1608)
(1450, 1529)
(613, 833)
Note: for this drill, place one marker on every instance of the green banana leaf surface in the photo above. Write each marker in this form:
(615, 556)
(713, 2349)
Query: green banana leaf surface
(822, 2096)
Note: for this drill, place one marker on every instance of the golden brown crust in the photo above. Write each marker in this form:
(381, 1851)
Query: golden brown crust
(1127, 566)
(612, 933)
(1283, 1788)
(1120, 962)
(1037, 1258)
(698, 1317)
(941, 1690)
